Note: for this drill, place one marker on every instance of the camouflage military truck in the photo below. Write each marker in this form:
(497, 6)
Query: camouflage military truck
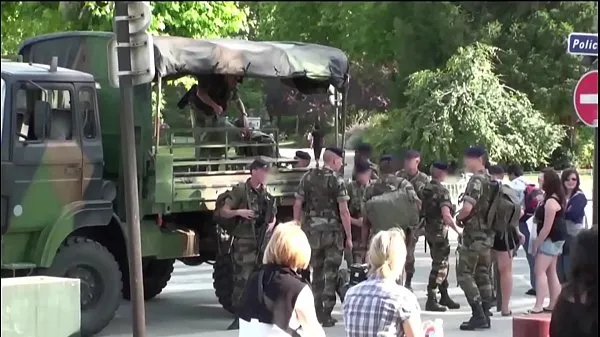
(62, 196)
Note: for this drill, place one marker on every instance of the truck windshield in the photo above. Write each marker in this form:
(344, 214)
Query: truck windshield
(2, 111)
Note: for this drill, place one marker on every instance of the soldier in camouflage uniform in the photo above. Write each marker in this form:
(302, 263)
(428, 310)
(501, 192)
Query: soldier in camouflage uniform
(418, 179)
(363, 152)
(473, 269)
(356, 191)
(386, 182)
(438, 214)
(327, 225)
(254, 208)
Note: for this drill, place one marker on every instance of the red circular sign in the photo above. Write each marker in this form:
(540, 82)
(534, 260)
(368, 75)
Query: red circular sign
(585, 98)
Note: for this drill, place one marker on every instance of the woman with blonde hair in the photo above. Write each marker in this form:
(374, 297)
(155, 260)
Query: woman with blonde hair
(276, 302)
(379, 306)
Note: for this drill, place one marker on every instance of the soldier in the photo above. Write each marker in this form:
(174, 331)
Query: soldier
(363, 152)
(316, 140)
(386, 182)
(303, 159)
(327, 225)
(473, 268)
(254, 208)
(438, 214)
(356, 191)
(418, 179)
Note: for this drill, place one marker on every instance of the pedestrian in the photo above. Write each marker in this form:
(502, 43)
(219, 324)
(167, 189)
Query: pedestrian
(276, 301)
(327, 225)
(504, 248)
(356, 191)
(530, 196)
(576, 311)
(255, 211)
(379, 306)
(439, 216)
(551, 235)
(474, 262)
(418, 179)
(363, 152)
(302, 158)
(574, 215)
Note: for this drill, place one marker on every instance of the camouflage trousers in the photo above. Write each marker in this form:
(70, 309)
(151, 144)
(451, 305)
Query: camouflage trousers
(412, 237)
(356, 255)
(473, 272)
(326, 258)
(243, 253)
(439, 248)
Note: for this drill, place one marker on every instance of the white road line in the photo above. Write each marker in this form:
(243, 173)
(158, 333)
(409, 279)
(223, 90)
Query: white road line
(588, 99)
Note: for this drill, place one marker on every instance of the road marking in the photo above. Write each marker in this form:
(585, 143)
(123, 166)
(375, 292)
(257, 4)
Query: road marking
(588, 98)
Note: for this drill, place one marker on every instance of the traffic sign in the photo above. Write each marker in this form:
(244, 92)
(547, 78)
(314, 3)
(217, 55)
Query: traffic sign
(583, 44)
(585, 98)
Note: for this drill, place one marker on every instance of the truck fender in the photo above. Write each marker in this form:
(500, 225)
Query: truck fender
(74, 216)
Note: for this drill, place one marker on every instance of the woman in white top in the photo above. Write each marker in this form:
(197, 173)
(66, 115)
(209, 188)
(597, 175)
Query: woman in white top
(276, 302)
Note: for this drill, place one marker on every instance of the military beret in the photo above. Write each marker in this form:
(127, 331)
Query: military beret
(386, 157)
(363, 147)
(440, 165)
(411, 154)
(361, 166)
(475, 152)
(259, 163)
(336, 150)
(302, 155)
(496, 169)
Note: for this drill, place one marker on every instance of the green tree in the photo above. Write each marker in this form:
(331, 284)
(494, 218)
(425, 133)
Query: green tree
(465, 103)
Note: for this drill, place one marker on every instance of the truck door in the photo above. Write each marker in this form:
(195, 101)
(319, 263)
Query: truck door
(91, 143)
(48, 166)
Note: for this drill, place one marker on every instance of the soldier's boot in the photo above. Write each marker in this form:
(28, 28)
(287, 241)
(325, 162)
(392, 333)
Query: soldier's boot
(319, 312)
(487, 310)
(445, 299)
(407, 282)
(478, 319)
(432, 303)
(342, 284)
(235, 325)
(328, 321)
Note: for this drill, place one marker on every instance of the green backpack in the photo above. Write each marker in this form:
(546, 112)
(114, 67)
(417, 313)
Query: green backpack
(505, 209)
(392, 209)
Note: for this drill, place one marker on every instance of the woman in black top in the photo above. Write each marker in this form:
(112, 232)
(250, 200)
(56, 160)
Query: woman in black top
(576, 311)
(551, 234)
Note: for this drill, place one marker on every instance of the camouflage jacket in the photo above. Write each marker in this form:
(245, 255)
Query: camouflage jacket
(478, 193)
(356, 192)
(374, 171)
(321, 189)
(244, 196)
(435, 196)
(418, 181)
(388, 183)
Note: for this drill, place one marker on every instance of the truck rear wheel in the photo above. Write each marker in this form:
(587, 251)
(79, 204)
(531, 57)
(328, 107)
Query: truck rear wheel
(100, 278)
(223, 280)
(157, 274)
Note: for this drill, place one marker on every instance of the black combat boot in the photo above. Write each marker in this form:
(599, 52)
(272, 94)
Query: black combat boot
(487, 306)
(432, 304)
(235, 325)
(407, 282)
(478, 319)
(445, 299)
(326, 320)
(342, 285)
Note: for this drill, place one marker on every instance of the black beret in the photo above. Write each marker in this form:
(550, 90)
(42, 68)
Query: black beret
(496, 169)
(259, 163)
(386, 157)
(475, 152)
(440, 165)
(336, 150)
(361, 166)
(302, 155)
(411, 154)
(363, 147)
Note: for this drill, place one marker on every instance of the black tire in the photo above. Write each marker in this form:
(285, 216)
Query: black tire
(157, 274)
(90, 261)
(223, 281)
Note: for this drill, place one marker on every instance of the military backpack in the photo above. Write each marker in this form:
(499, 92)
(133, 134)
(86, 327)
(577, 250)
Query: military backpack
(505, 209)
(227, 224)
(392, 209)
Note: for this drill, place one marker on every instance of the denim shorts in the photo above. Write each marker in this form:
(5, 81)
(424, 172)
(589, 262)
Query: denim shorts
(551, 248)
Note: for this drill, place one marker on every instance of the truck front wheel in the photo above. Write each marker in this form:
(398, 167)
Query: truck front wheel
(223, 280)
(100, 280)
(157, 274)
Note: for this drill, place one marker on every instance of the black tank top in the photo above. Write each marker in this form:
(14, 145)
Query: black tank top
(280, 289)
(558, 231)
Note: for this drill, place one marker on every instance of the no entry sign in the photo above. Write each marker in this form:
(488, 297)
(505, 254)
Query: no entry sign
(585, 98)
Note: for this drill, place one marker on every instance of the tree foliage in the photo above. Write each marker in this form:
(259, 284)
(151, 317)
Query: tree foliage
(463, 104)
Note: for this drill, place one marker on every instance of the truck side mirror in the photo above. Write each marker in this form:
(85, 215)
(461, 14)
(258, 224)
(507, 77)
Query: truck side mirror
(41, 118)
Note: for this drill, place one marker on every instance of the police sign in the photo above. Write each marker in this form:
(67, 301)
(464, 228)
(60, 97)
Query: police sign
(583, 44)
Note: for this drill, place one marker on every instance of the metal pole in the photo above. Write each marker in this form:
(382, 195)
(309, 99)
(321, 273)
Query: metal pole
(595, 181)
(128, 157)
(336, 121)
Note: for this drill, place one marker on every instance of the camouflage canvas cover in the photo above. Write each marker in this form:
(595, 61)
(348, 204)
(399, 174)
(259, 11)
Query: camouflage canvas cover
(392, 209)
